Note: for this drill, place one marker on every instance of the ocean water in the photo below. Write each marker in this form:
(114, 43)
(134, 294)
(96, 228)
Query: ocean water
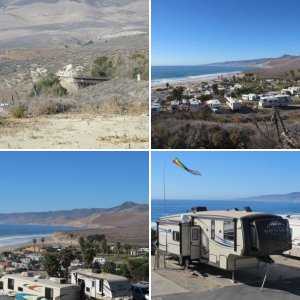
(178, 206)
(163, 74)
(14, 234)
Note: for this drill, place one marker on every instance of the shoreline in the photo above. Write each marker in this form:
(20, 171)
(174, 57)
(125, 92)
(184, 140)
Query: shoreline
(192, 79)
(25, 240)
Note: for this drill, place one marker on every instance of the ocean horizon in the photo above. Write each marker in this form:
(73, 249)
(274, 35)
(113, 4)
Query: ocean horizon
(164, 74)
(16, 234)
(182, 206)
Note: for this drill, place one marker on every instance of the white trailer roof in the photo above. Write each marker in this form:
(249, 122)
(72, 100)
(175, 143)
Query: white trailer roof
(44, 282)
(211, 214)
(106, 276)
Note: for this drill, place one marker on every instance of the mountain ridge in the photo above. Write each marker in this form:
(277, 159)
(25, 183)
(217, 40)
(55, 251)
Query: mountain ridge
(293, 196)
(257, 61)
(77, 217)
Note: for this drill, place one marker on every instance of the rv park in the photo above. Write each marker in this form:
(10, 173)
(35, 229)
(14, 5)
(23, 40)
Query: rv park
(80, 268)
(244, 110)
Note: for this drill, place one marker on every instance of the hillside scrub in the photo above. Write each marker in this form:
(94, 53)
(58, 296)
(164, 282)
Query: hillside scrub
(189, 134)
(48, 85)
(122, 66)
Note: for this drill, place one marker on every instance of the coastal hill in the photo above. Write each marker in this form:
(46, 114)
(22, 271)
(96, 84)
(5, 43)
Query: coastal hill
(126, 223)
(25, 23)
(262, 62)
(126, 213)
(270, 67)
(295, 196)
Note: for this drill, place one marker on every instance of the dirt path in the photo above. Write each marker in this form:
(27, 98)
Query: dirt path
(75, 131)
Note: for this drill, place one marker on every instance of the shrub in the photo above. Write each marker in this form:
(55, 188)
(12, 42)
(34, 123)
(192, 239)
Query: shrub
(102, 66)
(48, 85)
(18, 110)
(49, 106)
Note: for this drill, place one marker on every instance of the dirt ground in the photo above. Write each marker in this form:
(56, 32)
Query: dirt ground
(75, 131)
(209, 278)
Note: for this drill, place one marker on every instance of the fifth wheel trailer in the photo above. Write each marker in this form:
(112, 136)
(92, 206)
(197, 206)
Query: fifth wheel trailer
(102, 286)
(229, 240)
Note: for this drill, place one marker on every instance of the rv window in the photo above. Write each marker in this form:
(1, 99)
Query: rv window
(176, 236)
(88, 289)
(10, 284)
(1, 285)
(213, 229)
(93, 283)
(20, 289)
(195, 234)
(48, 293)
(229, 230)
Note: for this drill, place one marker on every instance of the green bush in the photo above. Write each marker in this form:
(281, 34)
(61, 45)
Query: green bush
(102, 66)
(48, 85)
(18, 110)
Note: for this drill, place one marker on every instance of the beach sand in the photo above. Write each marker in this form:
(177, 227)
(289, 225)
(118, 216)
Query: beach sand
(191, 81)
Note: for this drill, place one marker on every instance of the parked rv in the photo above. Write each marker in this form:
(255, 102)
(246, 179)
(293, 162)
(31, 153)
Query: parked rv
(24, 287)
(277, 100)
(140, 291)
(253, 97)
(155, 109)
(233, 103)
(294, 221)
(229, 240)
(103, 286)
(174, 105)
(194, 105)
(214, 105)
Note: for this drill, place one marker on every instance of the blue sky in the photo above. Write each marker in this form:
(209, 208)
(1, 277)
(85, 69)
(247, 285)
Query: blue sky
(195, 32)
(226, 175)
(41, 181)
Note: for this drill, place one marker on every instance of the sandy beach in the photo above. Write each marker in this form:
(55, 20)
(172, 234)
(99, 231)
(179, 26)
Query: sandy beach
(184, 81)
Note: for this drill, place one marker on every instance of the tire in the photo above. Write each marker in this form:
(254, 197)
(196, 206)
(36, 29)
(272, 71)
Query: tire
(186, 263)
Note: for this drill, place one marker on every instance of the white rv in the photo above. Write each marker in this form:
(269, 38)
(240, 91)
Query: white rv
(175, 105)
(277, 100)
(214, 105)
(155, 109)
(103, 286)
(253, 97)
(229, 240)
(23, 287)
(233, 104)
(194, 105)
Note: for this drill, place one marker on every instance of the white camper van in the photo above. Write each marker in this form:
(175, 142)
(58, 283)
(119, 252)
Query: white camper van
(277, 100)
(175, 105)
(155, 109)
(103, 286)
(233, 104)
(23, 287)
(214, 105)
(194, 105)
(229, 240)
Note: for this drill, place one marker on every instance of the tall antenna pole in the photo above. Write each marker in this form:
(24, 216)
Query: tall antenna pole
(165, 187)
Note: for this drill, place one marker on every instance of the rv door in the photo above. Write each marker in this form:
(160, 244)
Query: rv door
(195, 242)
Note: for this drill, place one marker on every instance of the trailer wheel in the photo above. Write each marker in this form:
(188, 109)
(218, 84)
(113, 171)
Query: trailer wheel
(180, 260)
(186, 263)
